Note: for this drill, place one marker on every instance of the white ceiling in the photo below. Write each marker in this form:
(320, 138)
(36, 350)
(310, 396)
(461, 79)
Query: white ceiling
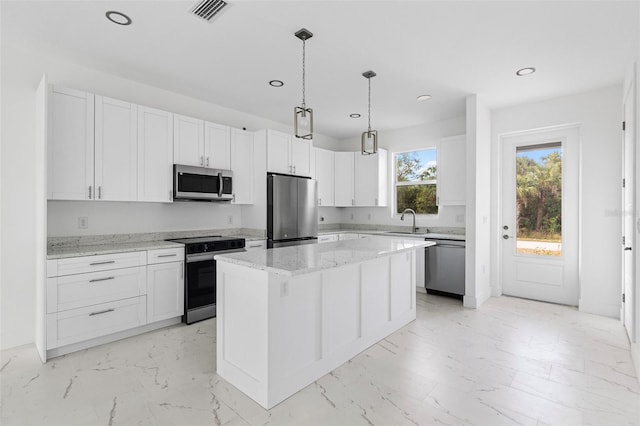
(448, 49)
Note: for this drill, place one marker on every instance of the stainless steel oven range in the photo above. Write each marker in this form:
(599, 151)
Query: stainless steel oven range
(200, 273)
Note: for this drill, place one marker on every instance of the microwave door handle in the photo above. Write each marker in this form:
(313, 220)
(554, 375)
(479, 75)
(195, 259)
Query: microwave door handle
(220, 185)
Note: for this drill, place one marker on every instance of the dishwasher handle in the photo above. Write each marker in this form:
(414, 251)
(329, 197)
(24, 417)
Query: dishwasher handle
(450, 246)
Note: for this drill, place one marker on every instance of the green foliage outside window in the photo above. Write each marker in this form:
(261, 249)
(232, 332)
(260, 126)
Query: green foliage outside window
(416, 181)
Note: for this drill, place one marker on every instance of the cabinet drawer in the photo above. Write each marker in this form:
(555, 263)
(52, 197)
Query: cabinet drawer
(76, 325)
(101, 262)
(76, 291)
(327, 238)
(165, 255)
(258, 244)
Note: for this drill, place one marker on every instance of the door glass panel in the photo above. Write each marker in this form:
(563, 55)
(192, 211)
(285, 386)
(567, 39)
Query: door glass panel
(539, 199)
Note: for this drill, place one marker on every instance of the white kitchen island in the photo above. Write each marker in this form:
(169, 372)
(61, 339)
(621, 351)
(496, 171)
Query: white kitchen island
(288, 316)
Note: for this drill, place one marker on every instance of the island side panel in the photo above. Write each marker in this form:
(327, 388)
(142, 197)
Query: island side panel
(361, 304)
(242, 329)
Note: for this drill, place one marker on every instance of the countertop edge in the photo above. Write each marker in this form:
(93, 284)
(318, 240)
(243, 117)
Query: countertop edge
(289, 273)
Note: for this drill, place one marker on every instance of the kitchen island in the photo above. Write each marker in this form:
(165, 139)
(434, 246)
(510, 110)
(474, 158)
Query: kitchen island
(288, 316)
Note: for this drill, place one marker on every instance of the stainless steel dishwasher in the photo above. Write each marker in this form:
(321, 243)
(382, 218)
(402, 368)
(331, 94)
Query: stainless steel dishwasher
(444, 267)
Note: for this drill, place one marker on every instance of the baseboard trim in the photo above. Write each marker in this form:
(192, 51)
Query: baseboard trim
(599, 308)
(635, 356)
(475, 302)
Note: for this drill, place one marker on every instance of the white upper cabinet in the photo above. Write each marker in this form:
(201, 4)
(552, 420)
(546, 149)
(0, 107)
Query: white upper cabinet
(371, 179)
(201, 143)
(217, 146)
(301, 156)
(344, 179)
(188, 141)
(242, 152)
(325, 176)
(278, 144)
(70, 145)
(452, 171)
(155, 155)
(287, 154)
(116, 168)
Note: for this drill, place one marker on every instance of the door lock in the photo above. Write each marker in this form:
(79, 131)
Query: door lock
(506, 237)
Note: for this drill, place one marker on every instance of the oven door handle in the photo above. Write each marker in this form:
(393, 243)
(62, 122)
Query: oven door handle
(201, 257)
(220, 184)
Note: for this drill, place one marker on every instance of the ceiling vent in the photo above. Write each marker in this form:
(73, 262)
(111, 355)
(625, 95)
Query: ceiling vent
(207, 9)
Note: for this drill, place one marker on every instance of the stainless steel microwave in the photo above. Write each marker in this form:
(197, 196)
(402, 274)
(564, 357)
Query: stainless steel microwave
(202, 184)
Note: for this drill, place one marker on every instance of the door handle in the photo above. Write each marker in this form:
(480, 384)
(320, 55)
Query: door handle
(628, 248)
(506, 237)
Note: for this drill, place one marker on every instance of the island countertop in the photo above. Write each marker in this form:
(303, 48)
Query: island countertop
(302, 259)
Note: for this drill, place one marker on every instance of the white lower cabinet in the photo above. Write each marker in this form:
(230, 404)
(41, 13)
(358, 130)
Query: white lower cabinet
(89, 298)
(165, 291)
(77, 325)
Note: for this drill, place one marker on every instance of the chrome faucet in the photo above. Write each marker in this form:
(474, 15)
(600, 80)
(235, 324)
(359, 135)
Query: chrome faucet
(413, 227)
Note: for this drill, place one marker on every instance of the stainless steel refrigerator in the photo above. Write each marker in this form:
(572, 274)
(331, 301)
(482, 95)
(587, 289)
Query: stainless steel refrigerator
(292, 211)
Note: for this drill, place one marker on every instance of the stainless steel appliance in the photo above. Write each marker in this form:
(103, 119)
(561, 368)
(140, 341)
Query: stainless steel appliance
(200, 273)
(202, 184)
(292, 212)
(444, 267)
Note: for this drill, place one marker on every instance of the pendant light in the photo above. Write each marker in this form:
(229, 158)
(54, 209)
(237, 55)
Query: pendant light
(303, 116)
(370, 137)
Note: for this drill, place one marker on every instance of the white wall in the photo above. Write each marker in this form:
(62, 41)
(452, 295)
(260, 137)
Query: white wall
(22, 70)
(407, 139)
(599, 113)
(477, 255)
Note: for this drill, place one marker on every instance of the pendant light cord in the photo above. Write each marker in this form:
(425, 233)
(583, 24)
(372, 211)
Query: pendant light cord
(369, 104)
(303, 72)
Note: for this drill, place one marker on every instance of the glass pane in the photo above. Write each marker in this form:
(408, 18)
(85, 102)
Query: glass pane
(416, 166)
(421, 198)
(539, 200)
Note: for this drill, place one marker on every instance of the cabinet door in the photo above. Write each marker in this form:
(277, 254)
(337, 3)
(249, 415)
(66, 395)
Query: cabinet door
(217, 148)
(116, 150)
(70, 145)
(155, 155)
(242, 166)
(301, 156)
(165, 291)
(371, 179)
(278, 152)
(343, 184)
(325, 176)
(188, 140)
(452, 171)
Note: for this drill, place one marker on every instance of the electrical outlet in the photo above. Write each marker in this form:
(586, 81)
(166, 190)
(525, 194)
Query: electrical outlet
(351, 216)
(83, 222)
(368, 216)
(460, 218)
(230, 220)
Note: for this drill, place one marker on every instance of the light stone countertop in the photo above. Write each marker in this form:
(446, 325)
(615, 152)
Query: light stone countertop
(92, 250)
(303, 259)
(444, 236)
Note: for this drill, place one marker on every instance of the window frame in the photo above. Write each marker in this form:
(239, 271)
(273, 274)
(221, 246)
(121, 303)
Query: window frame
(395, 184)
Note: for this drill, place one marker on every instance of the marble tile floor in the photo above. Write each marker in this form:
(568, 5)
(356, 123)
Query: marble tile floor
(513, 361)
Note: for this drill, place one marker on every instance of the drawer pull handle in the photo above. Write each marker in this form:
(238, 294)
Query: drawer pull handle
(102, 263)
(168, 255)
(102, 279)
(101, 312)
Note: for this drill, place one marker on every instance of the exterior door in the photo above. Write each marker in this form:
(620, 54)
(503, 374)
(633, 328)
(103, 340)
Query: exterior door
(628, 271)
(539, 226)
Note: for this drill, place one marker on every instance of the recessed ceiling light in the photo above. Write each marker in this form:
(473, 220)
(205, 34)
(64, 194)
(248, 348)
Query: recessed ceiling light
(423, 98)
(276, 83)
(355, 115)
(118, 18)
(525, 71)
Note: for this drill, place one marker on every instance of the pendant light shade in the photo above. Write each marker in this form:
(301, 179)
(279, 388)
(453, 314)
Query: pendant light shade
(370, 137)
(303, 116)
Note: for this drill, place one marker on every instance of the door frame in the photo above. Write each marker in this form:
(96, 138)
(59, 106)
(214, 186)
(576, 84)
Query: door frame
(498, 229)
